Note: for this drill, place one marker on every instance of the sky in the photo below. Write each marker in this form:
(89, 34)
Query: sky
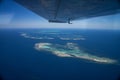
(13, 15)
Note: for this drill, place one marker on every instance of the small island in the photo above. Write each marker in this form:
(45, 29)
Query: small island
(72, 50)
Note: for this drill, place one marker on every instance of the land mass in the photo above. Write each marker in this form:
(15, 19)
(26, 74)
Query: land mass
(72, 50)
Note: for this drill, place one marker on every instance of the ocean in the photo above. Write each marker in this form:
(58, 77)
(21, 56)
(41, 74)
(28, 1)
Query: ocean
(19, 60)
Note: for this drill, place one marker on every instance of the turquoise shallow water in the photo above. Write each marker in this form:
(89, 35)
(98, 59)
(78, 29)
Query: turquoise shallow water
(72, 50)
(19, 60)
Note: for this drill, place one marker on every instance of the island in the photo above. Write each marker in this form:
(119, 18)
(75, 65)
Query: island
(72, 50)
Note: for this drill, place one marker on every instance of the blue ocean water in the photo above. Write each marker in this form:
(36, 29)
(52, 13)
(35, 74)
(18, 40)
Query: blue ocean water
(20, 61)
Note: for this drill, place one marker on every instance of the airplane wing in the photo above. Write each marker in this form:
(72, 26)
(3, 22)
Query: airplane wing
(63, 11)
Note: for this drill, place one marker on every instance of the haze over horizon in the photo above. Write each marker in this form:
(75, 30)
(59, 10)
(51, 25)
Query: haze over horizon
(12, 15)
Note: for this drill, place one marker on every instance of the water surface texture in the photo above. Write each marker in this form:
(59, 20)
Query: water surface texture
(64, 54)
